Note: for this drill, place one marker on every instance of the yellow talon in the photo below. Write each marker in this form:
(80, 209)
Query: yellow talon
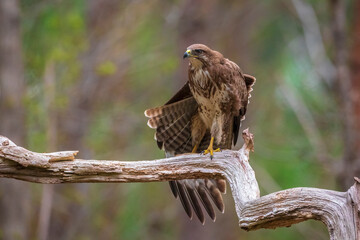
(210, 149)
(195, 148)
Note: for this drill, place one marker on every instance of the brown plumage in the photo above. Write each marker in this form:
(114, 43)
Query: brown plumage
(208, 109)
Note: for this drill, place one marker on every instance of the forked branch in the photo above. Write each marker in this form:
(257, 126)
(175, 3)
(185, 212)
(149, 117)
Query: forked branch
(338, 210)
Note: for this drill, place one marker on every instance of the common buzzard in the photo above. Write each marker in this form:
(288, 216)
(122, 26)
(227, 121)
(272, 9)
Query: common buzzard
(204, 116)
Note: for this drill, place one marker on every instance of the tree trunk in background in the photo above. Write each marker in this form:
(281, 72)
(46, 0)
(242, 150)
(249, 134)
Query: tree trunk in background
(84, 99)
(348, 87)
(13, 208)
(354, 167)
(11, 73)
(51, 140)
(82, 102)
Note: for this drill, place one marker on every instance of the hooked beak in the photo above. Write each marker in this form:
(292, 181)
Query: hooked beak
(187, 54)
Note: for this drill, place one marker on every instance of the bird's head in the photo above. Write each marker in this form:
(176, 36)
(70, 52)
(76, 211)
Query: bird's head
(199, 55)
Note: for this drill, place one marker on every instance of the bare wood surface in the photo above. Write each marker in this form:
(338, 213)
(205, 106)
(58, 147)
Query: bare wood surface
(339, 211)
(284, 208)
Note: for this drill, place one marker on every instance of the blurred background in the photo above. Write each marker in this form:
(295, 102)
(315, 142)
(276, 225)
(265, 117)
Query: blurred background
(77, 74)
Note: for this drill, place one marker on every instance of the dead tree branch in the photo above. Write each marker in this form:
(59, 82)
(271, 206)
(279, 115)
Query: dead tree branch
(337, 210)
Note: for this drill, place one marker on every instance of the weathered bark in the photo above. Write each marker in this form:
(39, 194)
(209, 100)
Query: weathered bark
(339, 211)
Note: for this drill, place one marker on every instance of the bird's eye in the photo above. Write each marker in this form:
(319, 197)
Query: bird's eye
(198, 51)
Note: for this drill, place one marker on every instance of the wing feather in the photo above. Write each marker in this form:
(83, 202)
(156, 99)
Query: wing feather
(173, 134)
(164, 132)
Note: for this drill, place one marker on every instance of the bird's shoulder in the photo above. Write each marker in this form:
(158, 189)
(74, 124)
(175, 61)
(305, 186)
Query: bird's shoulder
(227, 72)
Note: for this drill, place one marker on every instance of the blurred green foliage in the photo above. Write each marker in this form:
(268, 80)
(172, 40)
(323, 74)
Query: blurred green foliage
(136, 64)
(51, 33)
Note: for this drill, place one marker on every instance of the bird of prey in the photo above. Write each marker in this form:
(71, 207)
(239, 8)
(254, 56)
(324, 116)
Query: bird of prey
(203, 116)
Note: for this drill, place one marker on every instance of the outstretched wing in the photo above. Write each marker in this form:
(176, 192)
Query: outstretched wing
(173, 122)
(173, 134)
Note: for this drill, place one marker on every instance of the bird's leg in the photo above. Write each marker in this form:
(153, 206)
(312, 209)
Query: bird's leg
(210, 149)
(195, 148)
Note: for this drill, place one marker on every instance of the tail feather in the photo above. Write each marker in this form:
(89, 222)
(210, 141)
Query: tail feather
(206, 201)
(173, 188)
(215, 194)
(192, 194)
(220, 184)
(195, 192)
(183, 198)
